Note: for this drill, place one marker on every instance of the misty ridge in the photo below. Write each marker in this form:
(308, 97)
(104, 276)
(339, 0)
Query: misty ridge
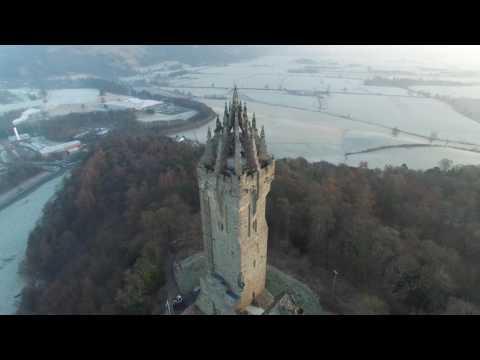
(33, 63)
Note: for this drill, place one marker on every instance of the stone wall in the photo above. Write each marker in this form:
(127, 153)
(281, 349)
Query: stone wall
(235, 230)
(254, 230)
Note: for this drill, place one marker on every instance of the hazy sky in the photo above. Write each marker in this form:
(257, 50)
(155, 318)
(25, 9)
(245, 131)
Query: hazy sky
(463, 56)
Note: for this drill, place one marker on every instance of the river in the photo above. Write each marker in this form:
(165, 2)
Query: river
(16, 222)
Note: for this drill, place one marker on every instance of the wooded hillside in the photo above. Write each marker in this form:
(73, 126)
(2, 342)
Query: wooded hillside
(405, 241)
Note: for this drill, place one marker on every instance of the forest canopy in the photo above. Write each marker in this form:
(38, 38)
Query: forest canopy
(101, 243)
(405, 241)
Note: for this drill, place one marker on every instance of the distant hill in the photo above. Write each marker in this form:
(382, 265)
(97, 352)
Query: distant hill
(33, 63)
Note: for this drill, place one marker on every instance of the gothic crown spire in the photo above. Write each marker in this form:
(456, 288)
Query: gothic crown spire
(235, 147)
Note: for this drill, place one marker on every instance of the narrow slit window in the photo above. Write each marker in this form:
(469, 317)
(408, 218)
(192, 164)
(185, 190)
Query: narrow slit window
(226, 218)
(249, 219)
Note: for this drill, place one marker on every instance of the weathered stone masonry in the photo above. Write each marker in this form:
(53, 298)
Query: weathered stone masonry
(234, 174)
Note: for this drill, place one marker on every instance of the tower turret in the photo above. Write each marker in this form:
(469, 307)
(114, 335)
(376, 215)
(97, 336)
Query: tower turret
(235, 97)
(218, 127)
(209, 134)
(238, 146)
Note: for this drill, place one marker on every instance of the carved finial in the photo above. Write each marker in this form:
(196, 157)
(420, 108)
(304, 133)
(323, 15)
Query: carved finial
(253, 153)
(235, 95)
(254, 122)
(208, 156)
(225, 121)
(237, 144)
(262, 147)
(245, 106)
(225, 116)
(219, 125)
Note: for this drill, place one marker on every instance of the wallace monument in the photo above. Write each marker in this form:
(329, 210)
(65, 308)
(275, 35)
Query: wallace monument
(234, 176)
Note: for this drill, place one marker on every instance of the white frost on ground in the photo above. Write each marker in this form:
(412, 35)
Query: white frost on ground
(56, 98)
(132, 103)
(414, 158)
(280, 98)
(410, 114)
(71, 96)
(317, 136)
(23, 93)
(65, 101)
(472, 92)
(166, 117)
(19, 105)
(16, 223)
(199, 92)
(361, 140)
(381, 90)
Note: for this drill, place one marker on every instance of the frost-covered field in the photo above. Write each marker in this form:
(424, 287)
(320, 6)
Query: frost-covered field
(62, 98)
(205, 92)
(318, 82)
(19, 105)
(381, 90)
(54, 98)
(130, 102)
(24, 94)
(16, 222)
(472, 92)
(65, 101)
(410, 114)
(167, 117)
(292, 132)
(415, 158)
(281, 99)
(71, 96)
(318, 136)
(354, 140)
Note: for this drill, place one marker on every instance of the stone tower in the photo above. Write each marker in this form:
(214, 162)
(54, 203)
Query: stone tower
(234, 177)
